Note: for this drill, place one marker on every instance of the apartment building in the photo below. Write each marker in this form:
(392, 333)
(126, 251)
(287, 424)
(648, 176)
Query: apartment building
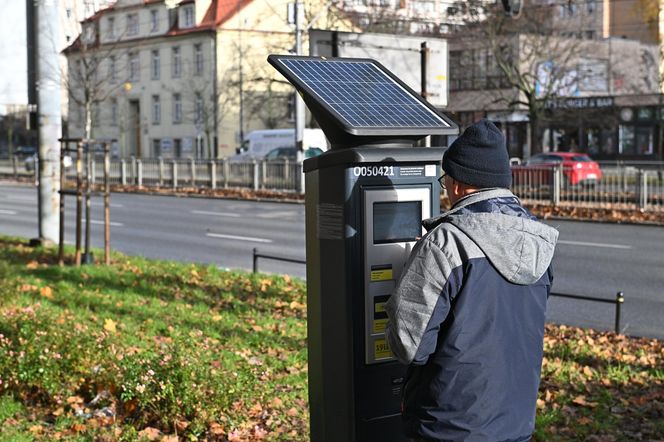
(142, 73)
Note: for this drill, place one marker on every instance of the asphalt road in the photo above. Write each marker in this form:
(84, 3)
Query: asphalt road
(592, 259)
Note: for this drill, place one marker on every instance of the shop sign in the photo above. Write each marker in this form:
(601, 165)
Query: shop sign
(579, 103)
(644, 113)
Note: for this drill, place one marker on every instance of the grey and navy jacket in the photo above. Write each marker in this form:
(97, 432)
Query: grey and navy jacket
(467, 315)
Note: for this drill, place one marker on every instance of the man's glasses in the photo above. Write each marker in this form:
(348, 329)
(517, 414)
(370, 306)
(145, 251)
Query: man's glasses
(441, 181)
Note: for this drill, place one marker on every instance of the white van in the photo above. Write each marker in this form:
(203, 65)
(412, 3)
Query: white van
(258, 143)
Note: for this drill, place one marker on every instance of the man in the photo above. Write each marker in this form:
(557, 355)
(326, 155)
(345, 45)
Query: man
(467, 314)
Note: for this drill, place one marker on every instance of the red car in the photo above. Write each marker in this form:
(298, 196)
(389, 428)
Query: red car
(578, 169)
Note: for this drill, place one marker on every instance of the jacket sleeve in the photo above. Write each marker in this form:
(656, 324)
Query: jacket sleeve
(420, 303)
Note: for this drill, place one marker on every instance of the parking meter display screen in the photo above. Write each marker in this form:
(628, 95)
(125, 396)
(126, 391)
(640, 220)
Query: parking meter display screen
(397, 221)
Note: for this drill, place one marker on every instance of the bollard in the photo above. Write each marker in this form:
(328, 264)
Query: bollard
(255, 174)
(193, 172)
(255, 255)
(213, 174)
(161, 171)
(175, 174)
(227, 170)
(139, 172)
(123, 172)
(643, 189)
(620, 299)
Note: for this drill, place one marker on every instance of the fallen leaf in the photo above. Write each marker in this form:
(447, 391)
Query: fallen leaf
(32, 265)
(110, 325)
(216, 429)
(292, 412)
(149, 433)
(46, 292)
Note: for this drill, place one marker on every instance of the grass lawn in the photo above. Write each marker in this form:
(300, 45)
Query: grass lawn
(151, 350)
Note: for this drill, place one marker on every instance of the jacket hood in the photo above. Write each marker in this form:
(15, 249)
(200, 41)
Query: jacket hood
(519, 247)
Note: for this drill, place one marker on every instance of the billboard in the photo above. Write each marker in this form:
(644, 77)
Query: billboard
(400, 54)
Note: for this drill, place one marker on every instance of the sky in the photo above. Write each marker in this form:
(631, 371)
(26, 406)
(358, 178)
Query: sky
(13, 54)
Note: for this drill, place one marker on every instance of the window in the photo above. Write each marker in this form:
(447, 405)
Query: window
(112, 75)
(134, 67)
(198, 59)
(132, 24)
(155, 65)
(177, 108)
(198, 109)
(156, 109)
(114, 112)
(68, 10)
(187, 17)
(477, 69)
(423, 7)
(176, 63)
(154, 20)
(591, 7)
(111, 27)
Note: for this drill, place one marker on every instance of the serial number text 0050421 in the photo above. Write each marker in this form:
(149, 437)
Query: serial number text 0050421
(373, 170)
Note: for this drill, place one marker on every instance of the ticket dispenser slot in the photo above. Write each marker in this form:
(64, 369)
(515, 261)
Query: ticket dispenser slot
(392, 225)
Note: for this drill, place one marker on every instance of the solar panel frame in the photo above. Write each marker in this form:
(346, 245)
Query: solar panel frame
(441, 125)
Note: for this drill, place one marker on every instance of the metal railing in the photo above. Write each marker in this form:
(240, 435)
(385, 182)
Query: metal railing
(257, 255)
(618, 302)
(621, 186)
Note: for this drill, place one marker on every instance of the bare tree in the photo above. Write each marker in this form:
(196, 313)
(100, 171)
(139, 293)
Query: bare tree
(536, 59)
(96, 70)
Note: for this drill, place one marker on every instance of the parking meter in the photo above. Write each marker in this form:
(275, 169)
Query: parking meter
(364, 203)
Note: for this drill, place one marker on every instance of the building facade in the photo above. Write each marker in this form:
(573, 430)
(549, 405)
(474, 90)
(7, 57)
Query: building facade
(592, 94)
(182, 78)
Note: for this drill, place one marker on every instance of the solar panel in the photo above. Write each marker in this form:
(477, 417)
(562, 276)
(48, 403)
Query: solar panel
(363, 96)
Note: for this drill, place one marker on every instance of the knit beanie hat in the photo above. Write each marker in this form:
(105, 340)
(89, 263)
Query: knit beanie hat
(479, 157)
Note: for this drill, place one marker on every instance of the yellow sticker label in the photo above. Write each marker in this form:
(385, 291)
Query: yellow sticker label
(379, 325)
(441, 77)
(381, 349)
(379, 307)
(381, 275)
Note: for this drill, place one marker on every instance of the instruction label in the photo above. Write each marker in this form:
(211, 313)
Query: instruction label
(379, 313)
(381, 273)
(381, 349)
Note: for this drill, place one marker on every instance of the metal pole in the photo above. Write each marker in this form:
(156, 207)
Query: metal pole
(107, 205)
(620, 299)
(299, 103)
(255, 256)
(88, 161)
(61, 236)
(50, 125)
(424, 68)
(79, 200)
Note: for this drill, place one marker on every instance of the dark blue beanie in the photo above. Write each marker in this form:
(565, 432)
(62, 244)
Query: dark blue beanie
(479, 157)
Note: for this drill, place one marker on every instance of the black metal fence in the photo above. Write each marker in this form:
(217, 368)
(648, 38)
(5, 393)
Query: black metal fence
(618, 301)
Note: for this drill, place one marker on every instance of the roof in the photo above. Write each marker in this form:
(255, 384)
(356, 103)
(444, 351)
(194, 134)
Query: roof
(219, 12)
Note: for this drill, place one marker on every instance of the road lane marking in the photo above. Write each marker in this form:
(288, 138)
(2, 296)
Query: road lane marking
(594, 244)
(96, 203)
(7, 212)
(239, 238)
(203, 212)
(272, 215)
(95, 221)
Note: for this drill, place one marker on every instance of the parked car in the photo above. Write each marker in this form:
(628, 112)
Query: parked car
(578, 169)
(290, 153)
